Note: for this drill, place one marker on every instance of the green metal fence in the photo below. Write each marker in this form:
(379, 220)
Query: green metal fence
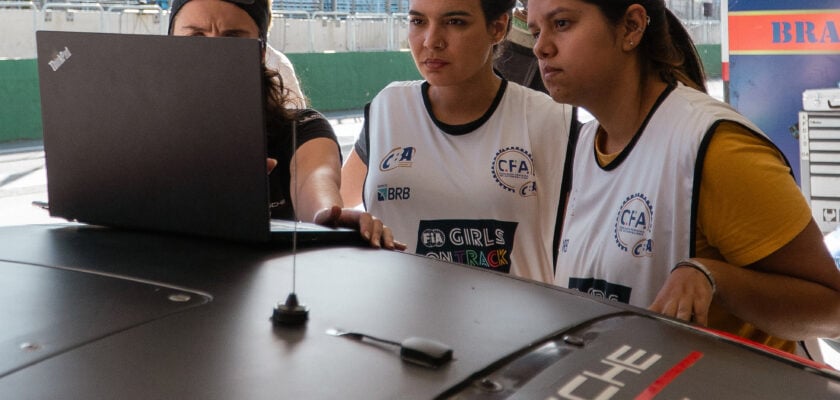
(20, 101)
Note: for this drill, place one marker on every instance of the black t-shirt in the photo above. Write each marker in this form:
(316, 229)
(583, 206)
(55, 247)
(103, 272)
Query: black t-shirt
(310, 124)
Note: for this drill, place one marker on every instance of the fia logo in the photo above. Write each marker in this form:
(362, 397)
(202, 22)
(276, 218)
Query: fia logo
(634, 226)
(396, 158)
(432, 238)
(513, 170)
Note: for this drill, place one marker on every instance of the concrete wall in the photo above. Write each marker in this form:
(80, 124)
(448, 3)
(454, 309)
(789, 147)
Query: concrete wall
(338, 81)
(17, 27)
(320, 33)
(340, 61)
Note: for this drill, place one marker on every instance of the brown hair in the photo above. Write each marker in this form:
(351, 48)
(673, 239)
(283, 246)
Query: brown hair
(666, 47)
(495, 9)
(277, 98)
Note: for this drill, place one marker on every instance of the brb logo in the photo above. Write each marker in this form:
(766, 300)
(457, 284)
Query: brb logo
(513, 170)
(396, 158)
(385, 193)
(634, 226)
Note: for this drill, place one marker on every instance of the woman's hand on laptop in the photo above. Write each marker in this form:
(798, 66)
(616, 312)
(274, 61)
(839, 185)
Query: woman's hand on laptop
(371, 228)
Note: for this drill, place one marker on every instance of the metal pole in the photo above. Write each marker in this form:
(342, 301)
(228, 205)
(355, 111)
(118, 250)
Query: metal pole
(724, 47)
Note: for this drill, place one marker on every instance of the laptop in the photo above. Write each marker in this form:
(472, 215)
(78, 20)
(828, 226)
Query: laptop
(160, 133)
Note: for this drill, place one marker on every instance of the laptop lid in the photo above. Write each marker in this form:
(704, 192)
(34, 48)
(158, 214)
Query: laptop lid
(155, 132)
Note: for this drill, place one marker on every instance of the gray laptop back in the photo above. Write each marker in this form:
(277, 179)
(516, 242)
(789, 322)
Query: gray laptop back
(155, 132)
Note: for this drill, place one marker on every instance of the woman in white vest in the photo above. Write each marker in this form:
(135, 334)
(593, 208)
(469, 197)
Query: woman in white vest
(677, 203)
(463, 166)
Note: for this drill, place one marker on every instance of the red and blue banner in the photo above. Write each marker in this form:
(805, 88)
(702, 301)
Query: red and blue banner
(777, 50)
(784, 32)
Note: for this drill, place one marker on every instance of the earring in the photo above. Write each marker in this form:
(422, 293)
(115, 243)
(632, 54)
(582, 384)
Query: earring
(632, 43)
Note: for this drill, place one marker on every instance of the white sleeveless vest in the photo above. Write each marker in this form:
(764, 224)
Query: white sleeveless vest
(487, 198)
(627, 224)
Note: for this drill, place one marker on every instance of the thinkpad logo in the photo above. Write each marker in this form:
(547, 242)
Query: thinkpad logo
(59, 59)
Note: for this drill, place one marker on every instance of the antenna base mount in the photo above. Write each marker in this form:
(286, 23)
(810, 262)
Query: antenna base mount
(290, 313)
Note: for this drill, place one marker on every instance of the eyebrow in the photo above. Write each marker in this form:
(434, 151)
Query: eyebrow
(194, 28)
(447, 14)
(553, 13)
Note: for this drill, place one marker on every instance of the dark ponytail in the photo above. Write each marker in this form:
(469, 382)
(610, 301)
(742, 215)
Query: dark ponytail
(690, 71)
(666, 47)
(493, 9)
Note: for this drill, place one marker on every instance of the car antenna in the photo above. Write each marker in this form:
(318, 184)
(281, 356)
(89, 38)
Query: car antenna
(291, 312)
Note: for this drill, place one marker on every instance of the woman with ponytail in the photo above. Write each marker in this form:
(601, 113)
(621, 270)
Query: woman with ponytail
(677, 202)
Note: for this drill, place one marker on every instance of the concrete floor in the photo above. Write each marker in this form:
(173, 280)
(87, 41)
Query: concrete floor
(23, 177)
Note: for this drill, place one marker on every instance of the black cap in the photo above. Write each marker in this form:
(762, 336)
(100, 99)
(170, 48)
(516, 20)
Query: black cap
(257, 9)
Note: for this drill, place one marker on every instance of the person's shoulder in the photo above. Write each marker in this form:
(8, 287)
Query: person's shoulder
(696, 100)
(413, 83)
(276, 57)
(401, 86)
(398, 89)
(307, 114)
(523, 93)
(536, 102)
(312, 124)
(311, 117)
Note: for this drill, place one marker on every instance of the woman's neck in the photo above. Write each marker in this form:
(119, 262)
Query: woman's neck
(465, 102)
(621, 116)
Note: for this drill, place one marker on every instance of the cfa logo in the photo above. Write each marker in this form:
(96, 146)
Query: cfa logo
(634, 226)
(384, 193)
(398, 157)
(602, 294)
(513, 170)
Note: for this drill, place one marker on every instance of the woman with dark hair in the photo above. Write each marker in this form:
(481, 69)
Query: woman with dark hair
(315, 161)
(677, 202)
(463, 166)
